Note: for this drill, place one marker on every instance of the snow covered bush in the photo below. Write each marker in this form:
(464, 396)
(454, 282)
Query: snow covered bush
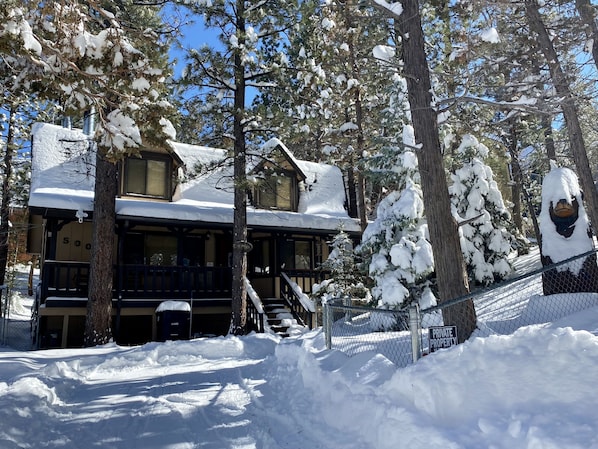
(477, 201)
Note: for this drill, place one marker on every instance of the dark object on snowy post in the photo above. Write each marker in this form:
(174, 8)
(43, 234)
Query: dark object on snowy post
(565, 233)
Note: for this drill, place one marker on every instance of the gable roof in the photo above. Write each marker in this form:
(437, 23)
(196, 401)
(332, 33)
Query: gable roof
(63, 176)
(271, 147)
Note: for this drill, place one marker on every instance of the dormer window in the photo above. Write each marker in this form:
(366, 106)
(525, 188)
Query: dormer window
(278, 176)
(277, 191)
(148, 176)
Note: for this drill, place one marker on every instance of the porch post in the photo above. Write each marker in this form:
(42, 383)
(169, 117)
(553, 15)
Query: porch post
(120, 235)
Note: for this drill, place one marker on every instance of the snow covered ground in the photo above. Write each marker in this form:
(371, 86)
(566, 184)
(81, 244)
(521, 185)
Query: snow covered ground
(533, 389)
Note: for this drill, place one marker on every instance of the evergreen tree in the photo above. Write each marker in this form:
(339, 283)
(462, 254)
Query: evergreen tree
(251, 34)
(568, 104)
(450, 267)
(485, 240)
(346, 280)
(95, 55)
(22, 89)
(327, 104)
(401, 262)
(395, 246)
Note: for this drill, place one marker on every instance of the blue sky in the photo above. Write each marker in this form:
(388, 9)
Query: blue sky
(194, 35)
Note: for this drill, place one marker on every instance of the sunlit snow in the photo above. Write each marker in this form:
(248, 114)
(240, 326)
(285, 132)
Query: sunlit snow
(533, 389)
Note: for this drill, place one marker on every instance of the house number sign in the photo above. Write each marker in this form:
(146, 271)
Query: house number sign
(77, 243)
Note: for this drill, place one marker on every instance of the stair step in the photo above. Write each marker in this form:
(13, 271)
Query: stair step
(275, 306)
(278, 316)
(280, 330)
(279, 312)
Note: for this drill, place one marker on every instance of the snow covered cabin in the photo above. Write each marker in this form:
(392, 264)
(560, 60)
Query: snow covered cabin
(173, 233)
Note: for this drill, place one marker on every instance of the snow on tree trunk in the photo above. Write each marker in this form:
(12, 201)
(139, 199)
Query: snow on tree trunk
(565, 232)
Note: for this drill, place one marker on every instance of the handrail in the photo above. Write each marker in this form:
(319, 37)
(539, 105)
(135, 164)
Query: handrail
(69, 279)
(255, 309)
(302, 308)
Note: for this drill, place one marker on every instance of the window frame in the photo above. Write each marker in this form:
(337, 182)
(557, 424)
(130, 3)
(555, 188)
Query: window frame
(290, 254)
(268, 180)
(147, 157)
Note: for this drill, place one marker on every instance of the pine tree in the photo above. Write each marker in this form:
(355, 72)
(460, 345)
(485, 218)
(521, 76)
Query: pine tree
(450, 267)
(562, 85)
(346, 279)
(401, 262)
(251, 36)
(326, 105)
(395, 246)
(485, 240)
(95, 55)
(22, 94)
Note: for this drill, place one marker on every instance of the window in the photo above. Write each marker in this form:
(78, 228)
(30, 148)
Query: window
(297, 255)
(259, 257)
(193, 251)
(147, 176)
(277, 191)
(150, 249)
(160, 250)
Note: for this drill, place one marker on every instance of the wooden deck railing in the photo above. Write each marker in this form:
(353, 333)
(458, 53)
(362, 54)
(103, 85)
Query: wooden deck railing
(70, 279)
(255, 310)
(149, 281)
(301, 305)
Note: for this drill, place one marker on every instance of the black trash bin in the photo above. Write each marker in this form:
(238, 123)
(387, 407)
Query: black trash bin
(173, 319)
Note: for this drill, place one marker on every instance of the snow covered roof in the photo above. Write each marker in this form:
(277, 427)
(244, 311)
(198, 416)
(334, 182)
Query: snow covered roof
(63, 175)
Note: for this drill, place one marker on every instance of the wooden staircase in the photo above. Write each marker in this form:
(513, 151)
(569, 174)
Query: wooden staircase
(290, 315)
(279, 316)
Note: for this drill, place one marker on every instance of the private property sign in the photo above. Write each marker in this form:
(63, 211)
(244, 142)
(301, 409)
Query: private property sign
(442, 337)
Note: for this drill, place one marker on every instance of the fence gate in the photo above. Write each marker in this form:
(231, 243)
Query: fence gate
(15, 332)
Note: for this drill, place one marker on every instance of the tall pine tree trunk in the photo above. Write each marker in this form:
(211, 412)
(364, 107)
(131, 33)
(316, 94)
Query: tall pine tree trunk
(10, 151)
(568, 106)
(546, 124)
(98, 324)
(240, 246)
(444, 237)
(352, 191)
(586, 12)
(360, 147)
(520, 188)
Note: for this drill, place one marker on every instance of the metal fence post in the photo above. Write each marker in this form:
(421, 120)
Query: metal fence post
(5, 318)
(2, 317)
(347, 303)
(414, 328)
(327, 325)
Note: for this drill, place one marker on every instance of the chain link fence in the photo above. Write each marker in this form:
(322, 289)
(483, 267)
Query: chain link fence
(16, 329)
(354, 330)
(545, 295)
